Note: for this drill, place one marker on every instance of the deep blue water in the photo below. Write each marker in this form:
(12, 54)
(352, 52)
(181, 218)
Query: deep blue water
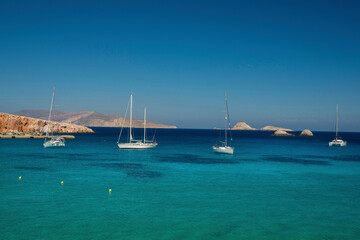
(271, 188)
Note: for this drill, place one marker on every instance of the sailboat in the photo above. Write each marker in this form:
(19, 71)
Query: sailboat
(136, 144)
(54, 141)
(337, 141)
(223, 147)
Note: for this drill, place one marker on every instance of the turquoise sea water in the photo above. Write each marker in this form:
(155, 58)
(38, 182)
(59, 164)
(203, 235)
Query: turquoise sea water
(271, 188)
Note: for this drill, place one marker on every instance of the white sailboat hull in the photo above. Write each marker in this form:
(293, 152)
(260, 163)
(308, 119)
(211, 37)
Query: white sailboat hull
(136, 145)
(55, 142)
(337, 143)
(226, 150)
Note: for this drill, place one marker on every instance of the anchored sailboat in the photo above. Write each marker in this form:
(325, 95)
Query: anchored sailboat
(337, 141)
(54, 141)
(222, 147)
(136, 144)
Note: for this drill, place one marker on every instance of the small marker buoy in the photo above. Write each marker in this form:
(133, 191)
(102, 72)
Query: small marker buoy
(62, 182)
(110, 191)
(20, 178)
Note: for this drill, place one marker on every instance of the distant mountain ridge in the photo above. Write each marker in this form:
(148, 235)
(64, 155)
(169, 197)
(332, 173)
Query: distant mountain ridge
(87, 118)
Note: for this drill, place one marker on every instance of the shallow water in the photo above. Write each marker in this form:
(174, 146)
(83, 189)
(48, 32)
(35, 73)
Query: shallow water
(271, 188)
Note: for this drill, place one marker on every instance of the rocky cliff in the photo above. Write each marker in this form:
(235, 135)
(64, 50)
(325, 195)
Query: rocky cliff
(242, 126)
(93, 119)
(271, 128)
(16, 123)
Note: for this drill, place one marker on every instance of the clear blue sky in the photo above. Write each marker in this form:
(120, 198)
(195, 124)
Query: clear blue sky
(282, 63)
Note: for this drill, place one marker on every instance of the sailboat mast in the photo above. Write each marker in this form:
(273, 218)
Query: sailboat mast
(145, 125)
(225, 121)
(51, 107)
(337, 120)
(130, 117)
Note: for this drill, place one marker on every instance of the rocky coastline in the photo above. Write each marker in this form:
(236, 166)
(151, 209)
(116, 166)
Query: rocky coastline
(10, 123)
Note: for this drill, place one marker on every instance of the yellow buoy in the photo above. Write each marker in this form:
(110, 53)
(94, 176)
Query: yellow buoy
(20, 178)
(110, 191)
(62, 182)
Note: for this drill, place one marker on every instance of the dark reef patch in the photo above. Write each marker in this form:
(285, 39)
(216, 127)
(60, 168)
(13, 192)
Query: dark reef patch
(131, 169)
(121, 165)
(274, 158)
(345, 158)
(193, 158)
(31, 168)
(38, 156)
(77, 156)
(315, 157)
(72, 156)
(144, 174)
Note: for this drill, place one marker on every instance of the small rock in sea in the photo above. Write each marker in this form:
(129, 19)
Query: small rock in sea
(242, 126)
(306, 132)
(282, 133)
